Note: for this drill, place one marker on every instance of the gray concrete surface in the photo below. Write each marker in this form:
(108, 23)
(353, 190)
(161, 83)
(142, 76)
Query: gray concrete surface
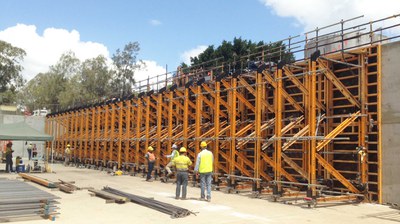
(80, 207)
(391, 123)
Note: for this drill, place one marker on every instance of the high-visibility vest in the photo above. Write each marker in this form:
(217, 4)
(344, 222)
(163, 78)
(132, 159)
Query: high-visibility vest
(181, 162)
(206, 162)
(176, 154)
(151, 157)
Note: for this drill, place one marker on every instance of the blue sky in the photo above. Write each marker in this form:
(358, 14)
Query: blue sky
(166, 30)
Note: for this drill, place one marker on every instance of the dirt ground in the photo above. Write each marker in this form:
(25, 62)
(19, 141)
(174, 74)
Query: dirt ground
(81, 207)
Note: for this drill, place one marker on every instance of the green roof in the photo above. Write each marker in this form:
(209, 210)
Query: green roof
(22, 131)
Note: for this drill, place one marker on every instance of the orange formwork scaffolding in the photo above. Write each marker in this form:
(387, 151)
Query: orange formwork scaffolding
(312, 124)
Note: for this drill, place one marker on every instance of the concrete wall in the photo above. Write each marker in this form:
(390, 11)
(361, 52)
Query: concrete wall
(391, 123)
(20, 147)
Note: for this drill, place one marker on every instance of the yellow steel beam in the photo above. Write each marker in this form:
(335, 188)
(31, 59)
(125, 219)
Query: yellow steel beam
(312, 123)
(92, 140)
(278, 127)
(217, 125)
(138, 126)
(339, 129)
(253, 92)
(199, 102)
(240, 96)
(87, 117)
(120, 132)
(336, 174)
(185, 117)
(289, 143)
(112, 133)
(257, 154)
(285, 94)
(300, 85)
(213, 94)
(159, 123)
(363, 120)
(336, 82)
(379, 122)
(232, 113)
(128, 120)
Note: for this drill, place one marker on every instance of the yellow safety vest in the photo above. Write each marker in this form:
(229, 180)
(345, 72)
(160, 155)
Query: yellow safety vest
(206, 162)
(176, 154)
(181, 162)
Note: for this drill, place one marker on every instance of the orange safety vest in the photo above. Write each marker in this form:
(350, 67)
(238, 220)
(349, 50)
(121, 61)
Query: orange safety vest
(151, 156)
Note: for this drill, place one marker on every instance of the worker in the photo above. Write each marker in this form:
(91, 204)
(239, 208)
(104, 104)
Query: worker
(9, 162)
(67, 155)
(34, 151)
(204, 166)
(182, 163)
(30, 147)
(151, 159)
(173, 155)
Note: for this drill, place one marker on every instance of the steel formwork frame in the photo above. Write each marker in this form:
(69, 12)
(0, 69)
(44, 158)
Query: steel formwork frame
(270, 125)
(314, 123)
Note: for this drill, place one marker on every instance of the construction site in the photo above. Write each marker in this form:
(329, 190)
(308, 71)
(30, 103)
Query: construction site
(308, 140)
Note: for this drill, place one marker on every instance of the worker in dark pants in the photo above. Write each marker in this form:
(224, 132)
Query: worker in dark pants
(9, 162)
(182, 163)
(30, 147)
(151, 160)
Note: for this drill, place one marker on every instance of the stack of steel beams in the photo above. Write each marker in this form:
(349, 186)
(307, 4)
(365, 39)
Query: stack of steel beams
(19, 200)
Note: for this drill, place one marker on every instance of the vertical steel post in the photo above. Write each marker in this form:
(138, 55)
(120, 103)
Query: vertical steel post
(257, 154)
(233, 128)
(185, 117)
(216, 126)
(138, 127)
(198, 120)
(312, 122)
(120, 125)
(278, 129)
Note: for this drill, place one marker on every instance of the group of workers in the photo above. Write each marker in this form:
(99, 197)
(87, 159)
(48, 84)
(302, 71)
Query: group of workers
(180, 160)
(32, 152)
(203, 167)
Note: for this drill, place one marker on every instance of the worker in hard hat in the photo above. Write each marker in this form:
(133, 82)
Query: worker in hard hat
(173, 155)
(204, 166)
(182, 163)
(9, 162)
(67, 155)
(151, 159)
(30, 147)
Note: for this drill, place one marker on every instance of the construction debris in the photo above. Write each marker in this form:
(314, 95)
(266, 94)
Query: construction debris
(110, 197)
(67, 187)
(22, 201)
(172, 210)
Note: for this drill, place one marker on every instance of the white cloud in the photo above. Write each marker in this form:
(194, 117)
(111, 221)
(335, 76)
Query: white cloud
(151, 70)
(155, 22)
(318, 13)
(45, 50)
(185, 56)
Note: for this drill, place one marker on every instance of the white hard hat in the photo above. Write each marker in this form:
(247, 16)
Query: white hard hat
(174, 146)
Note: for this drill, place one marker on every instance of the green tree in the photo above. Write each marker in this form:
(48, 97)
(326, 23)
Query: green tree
(10, 77)
(96, 78)
(57, 88)
(238, 53)
(125, 64)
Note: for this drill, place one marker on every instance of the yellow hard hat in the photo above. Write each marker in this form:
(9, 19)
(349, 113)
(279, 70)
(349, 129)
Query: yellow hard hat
(68, 145)
(150, 148)
(203, 144)
(183, 149)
